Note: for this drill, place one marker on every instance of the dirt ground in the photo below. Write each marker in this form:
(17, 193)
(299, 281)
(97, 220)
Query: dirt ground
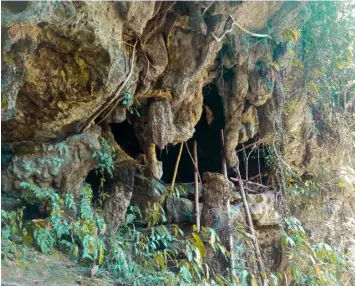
(34, 268)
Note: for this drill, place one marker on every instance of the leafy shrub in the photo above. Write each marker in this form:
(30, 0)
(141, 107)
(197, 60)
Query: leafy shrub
(11, 226)
(80, 234)
(311, 263)
(136, 257)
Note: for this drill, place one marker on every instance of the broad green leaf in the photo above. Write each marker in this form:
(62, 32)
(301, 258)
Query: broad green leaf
(213, 238)
(189, 252)
(130, 218)
(161, 261)
(199, 244)
(186, 274)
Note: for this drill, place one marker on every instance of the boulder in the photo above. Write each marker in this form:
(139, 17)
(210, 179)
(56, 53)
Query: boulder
(262, 209)
(181, 210)
(147, 190)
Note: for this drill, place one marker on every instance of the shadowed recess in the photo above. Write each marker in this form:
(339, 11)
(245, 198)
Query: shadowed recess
(14, 6)
(126, 138)
(207, 136)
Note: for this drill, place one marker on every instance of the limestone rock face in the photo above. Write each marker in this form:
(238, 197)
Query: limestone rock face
(62, 166)
(58, 68)
(161, 126)
(262, 208)
(63, 61)
(120, 189)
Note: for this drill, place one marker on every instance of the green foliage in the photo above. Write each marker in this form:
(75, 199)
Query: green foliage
(80, 233)
(169, 191)
(302, 189)
(155, 214)
(3, 94)
(327, 42)
(11, 226)
(105, 157)
(291, 34)
(106, 164)
(3, 100)
(311, 263)
(159, 255)
(44, 239)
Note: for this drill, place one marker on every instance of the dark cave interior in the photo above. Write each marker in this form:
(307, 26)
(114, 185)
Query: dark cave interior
(125, 137)
(207, 136)
(15, 6)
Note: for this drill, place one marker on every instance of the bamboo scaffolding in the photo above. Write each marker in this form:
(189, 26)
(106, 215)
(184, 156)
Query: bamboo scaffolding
(251, 226)
(196, 173)
(231, 238)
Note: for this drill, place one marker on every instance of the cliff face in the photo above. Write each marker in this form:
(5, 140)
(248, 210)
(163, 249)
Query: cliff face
(63, 61)
(68, 66)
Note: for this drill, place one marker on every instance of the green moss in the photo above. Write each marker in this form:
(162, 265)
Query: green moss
(292, 105)
(84, 74)
(9, 59)
(3, 99)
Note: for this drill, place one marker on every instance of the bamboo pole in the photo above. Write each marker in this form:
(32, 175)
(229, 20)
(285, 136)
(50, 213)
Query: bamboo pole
(196, 173)
(231, 238)
(177, 165)
(193, 162)
(250, 225)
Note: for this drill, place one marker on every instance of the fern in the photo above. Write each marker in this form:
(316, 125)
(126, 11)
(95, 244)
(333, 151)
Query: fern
(44, 239)
(85, 202)
(70, 202)
(105, 157)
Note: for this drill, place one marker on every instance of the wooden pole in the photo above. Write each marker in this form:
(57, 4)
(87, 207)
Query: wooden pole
(193, 162)
(197, 206)
(176, 166)
(231, 238)
(250, 225)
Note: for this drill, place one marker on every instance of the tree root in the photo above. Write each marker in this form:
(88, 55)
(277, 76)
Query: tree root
(243, 29)
(112, 103)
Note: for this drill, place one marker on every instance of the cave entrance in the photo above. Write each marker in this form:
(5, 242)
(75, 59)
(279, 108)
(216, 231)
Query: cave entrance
(252, 161)
(125, 137)
(207, 136)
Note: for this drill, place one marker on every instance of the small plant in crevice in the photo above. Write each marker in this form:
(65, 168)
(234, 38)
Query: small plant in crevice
(300, 189)
(105, 157)
(105, 165)
(127, 100)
